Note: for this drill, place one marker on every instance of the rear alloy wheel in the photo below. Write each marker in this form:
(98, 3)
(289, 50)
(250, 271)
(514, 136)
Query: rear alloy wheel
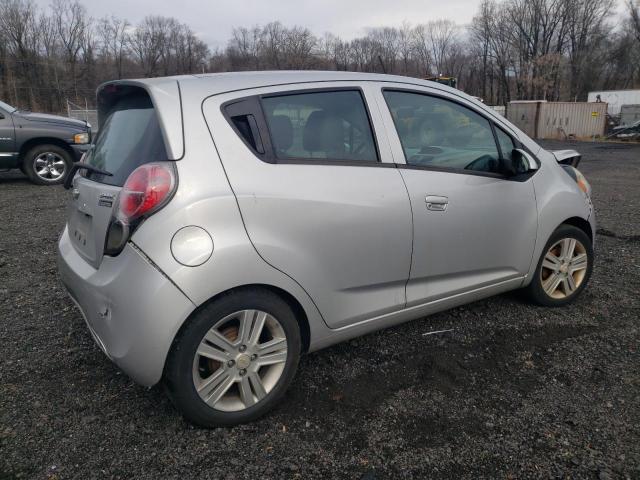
(47, 164)
(240, 360)
(564, 269)
(235, 359)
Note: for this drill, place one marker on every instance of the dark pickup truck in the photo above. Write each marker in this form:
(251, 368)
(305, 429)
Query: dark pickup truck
(43, 146)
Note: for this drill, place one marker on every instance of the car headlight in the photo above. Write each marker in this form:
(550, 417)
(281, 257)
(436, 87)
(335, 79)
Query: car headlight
(81, 138)
(582, 182)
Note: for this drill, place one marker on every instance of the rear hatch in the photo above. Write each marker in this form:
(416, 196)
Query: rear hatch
(130, 136)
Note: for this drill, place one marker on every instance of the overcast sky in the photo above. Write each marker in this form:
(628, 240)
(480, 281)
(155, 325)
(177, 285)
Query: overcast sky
(213, 20)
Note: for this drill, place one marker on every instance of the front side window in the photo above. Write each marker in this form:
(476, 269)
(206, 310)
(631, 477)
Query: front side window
(506, 144)
(332, 125)
(435, 132)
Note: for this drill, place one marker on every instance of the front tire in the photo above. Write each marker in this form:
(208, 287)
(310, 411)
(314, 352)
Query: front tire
(47, 164)
(564, 268)
(234, 360)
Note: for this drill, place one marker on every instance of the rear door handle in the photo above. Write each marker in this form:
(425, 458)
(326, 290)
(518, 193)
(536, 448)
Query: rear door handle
(436, 203)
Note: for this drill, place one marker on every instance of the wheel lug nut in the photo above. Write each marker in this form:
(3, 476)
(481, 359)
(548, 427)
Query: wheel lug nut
(230, 363)
(253, 357)
(243, 371)
(242, 348)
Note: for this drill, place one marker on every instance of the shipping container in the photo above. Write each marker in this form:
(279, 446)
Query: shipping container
(563, 120)
(615, 99)
(629, 114)
(559, 120)
(523, 114)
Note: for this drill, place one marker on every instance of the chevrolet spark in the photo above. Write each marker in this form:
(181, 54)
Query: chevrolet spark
(222, 225)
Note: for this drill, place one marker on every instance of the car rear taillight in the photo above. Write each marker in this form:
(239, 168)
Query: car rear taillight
(146, 190)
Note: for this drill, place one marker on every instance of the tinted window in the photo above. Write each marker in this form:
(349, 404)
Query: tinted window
(130, 137)
(320, 125)
(438, 133)
(506, 144)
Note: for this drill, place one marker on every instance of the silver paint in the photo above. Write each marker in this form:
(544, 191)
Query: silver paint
(191, 246)
(357, 247)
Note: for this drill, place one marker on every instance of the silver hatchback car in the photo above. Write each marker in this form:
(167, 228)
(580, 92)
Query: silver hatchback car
(222, 225)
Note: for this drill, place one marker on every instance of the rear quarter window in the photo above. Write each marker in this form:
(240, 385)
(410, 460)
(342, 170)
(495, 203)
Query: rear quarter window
(129, 137)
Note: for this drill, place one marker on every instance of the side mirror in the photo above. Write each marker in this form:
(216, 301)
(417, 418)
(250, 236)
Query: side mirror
(522, 161)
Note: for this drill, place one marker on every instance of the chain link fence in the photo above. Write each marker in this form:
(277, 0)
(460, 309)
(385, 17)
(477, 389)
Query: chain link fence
(83, 113)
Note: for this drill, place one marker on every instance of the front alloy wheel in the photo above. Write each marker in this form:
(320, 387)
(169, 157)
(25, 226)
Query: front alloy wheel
(49, 166)
(564, 267)
(234, 359)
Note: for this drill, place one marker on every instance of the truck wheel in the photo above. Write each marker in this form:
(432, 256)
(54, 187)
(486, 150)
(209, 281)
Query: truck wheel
(47, 164)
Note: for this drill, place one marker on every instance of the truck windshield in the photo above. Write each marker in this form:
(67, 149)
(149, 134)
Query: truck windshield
(6, 107)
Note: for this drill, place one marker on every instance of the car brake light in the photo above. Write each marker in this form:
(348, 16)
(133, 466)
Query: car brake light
(147, 188)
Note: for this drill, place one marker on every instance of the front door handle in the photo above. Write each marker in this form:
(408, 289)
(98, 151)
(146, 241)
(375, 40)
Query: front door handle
(436, 203)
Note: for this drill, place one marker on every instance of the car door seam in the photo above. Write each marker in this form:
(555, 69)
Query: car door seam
(413, 238)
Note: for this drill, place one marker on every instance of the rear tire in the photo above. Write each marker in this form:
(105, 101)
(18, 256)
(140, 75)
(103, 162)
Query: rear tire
(564, 268)
(47, 164)
(215, 353)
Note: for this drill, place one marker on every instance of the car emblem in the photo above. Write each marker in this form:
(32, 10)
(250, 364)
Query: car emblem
(105, 200)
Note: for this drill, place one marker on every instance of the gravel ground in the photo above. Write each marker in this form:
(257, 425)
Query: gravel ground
(514, 391)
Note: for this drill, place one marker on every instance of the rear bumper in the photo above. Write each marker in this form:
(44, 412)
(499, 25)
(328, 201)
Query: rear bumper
(79, 150)
(132, 310)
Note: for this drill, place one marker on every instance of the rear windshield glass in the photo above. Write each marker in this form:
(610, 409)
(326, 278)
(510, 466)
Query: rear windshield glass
(130, 137)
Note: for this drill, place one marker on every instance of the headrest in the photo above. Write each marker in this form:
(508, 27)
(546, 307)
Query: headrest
(281, 132)
(324, 133)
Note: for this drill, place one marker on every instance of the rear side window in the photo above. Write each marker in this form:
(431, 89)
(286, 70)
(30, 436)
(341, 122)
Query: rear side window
(130, 137)
(435, 132)
(331, 125)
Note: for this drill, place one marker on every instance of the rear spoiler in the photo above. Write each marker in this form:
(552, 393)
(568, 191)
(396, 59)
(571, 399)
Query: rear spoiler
(567, 157)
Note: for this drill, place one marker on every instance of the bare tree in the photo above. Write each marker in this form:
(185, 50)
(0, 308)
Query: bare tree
(147, 43)
(114, 35)
(72, 25)
(19, 26)
(524, 49)
(634, 11)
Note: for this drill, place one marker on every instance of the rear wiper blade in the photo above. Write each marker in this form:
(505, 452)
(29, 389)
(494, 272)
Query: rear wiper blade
(83, 166)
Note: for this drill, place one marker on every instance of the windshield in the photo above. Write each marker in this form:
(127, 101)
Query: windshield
(6, 107)
(131, 136)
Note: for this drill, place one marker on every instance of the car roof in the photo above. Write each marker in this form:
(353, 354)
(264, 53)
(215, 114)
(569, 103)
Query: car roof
(166, 90)
(215, 83)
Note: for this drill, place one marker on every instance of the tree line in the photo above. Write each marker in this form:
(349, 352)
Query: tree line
(512, 49)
